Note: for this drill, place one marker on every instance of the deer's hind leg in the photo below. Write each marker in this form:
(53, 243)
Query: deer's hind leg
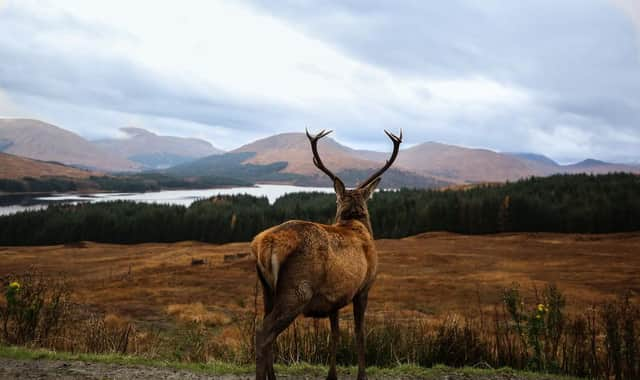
(288, 303)
(268, 306)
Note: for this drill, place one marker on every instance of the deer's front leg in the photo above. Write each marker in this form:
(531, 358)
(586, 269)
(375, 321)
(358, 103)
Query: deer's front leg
(359, 308)
(335, 336)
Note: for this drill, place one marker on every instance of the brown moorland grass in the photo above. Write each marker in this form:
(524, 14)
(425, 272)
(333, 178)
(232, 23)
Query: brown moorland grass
(429, 275)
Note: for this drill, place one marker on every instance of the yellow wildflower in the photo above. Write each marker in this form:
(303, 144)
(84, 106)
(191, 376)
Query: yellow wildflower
(14, 285)
(541, 308)
(538, 316)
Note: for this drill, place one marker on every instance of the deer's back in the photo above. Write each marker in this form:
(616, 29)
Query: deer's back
(334, 261)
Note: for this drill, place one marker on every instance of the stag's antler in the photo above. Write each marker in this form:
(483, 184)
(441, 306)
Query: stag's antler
(396, 147)
(316, 157)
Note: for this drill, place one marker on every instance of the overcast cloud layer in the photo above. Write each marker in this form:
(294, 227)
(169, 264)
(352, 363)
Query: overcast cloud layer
(560, 78)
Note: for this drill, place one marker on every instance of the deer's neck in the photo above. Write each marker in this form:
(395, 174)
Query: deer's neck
(362, 219)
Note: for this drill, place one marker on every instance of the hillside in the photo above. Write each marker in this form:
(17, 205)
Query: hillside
(42, 141)
(155, 151)
(15, 167)
(599, 167)
(282, 158)
(467, 165)
(293, 148)
(539, 164)
(288, 158)
(458, 164)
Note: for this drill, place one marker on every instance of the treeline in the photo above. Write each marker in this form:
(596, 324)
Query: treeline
(121, 183)
(561, 203)
(38, 185)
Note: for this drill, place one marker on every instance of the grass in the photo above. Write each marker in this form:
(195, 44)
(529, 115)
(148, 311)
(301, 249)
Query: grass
(222, 368)
(149, 302)
(439, 273)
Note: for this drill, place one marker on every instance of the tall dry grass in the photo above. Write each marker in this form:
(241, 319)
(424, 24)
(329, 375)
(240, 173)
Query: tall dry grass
(601, 342)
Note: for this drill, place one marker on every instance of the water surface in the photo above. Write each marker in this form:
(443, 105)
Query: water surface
(13, 204)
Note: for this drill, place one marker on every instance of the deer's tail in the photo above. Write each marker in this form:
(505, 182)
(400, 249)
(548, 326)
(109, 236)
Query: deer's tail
(270, 252)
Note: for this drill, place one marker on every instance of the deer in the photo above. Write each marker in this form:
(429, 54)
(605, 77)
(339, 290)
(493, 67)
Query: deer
(315, 269)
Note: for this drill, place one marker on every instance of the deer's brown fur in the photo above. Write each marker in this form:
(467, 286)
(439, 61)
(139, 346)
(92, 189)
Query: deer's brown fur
(316, 269)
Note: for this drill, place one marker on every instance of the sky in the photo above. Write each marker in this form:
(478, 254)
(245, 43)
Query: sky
(555, 77)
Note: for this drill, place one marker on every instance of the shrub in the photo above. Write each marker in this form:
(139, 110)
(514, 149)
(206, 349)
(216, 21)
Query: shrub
(35, 308)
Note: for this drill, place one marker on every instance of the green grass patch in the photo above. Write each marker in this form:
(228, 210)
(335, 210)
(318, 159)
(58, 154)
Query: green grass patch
(223, 368)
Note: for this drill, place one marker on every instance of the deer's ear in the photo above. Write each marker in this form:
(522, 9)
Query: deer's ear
(369, 189)
(338, 186)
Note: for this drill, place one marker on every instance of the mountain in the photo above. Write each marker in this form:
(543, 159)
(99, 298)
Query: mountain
(294, 149)
(540, 164)
(41, 141)
(545, 166)
(466, 165)
(462, 165)
(287, 158)
(15, 167)
(154, 151)
(536, 158)
(599, 167)
(283, 158)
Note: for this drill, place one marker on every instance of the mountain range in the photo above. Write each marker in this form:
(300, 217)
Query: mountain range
(152, 151)
(42, 141)
(282, 158)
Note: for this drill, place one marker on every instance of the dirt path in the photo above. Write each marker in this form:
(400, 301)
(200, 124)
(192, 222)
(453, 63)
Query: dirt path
(67, 370)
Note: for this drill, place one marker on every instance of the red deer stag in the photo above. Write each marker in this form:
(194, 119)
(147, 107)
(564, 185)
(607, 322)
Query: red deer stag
(316, 269)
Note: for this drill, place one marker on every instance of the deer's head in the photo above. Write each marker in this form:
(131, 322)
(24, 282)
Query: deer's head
(352, 203)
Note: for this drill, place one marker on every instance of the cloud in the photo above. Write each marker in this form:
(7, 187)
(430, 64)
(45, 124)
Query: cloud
(8, 107)
(503, 75)
(570, 58)
(632, 8)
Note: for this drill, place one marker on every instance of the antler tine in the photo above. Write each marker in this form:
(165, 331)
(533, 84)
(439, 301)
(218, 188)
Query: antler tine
(397, 140)
(313, 139)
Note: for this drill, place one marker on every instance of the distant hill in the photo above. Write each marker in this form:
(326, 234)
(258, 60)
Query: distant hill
(462, 165)
(41, 141)
(293, 148)
(154, 151)
(599, 167)
(234, 165)
(467, 165)
(534, 157)
(25, 175)
(545, 166)
(15, 167)
(288, 158)
(539, 164)
(282, 158)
